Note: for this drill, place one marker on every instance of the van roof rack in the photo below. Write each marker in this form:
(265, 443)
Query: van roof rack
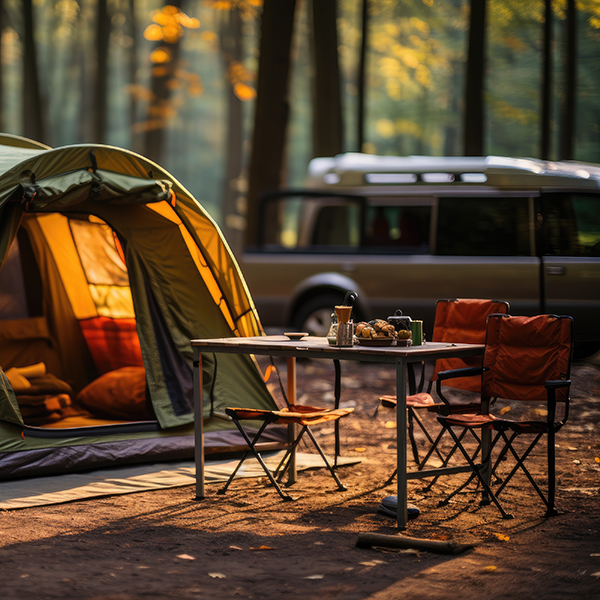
(357, 169)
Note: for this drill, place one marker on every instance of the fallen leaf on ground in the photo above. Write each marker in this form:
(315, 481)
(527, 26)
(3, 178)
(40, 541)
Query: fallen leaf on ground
(390, 424)
(186, 557)
(489, 569)
(235, 548)
(360, 449)
(315, 577)
(216, 575)
(597, 459)
(261, 548)
(502, 537)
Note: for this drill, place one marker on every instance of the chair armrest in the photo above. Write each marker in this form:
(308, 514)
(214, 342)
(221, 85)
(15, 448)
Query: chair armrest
(466, 372)
(554, 384)
(452, 374)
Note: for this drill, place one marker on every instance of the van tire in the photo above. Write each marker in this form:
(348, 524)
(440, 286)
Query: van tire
(314, 315)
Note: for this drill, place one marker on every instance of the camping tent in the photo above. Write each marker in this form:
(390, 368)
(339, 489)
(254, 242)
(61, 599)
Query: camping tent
(109, 267)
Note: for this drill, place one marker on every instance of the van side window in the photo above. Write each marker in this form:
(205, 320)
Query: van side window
(311, 223)
(398, 229)
(336, 226)
(483, 227)
(571, 225)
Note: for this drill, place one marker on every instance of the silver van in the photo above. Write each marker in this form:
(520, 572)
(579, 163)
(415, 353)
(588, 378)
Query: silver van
(406, 231)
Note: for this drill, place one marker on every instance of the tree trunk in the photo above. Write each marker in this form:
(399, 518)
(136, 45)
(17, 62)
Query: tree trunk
(2, 26)
(234, 212)
(475, 81)
(101, 79)
(546, 116)
(267, 160)
(328, 129)
(570, 82)
(360, 85)
(159, 108)
(132, 67)
(83, 56)
(33, 118)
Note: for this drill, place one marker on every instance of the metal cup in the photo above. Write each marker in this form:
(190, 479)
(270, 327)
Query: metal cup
(417, 332)
(344, 334)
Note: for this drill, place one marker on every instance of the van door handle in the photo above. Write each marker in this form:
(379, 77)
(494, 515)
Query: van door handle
(556, 270)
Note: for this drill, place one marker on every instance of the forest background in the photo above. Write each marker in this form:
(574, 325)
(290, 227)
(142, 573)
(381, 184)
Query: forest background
(236, 96)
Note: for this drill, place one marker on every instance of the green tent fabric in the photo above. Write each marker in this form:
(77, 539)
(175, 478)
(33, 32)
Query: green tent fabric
(110, 244)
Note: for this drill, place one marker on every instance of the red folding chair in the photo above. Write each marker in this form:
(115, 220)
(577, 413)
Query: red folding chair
(461, 320)
(305, 416)
(526, 359)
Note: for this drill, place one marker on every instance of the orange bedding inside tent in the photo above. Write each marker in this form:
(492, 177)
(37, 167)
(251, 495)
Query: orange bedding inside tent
(113, 343)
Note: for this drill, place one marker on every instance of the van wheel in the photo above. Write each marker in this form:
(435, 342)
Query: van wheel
(314, 316)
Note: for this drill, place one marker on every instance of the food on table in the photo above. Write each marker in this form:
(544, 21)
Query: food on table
(380, 329)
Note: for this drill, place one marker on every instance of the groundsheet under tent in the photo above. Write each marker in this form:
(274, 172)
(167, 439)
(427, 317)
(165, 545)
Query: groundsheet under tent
(42, 491)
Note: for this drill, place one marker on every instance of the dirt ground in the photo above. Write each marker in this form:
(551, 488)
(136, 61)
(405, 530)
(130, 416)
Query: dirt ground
(250, 544)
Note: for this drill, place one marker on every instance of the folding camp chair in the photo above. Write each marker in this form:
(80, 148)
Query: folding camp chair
(461, 320)
(305, 416)
(526, 359)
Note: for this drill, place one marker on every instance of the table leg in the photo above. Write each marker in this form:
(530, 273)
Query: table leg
(402, 515)
(486, 443)
(198, 425)
(291, 394)
(337, 396)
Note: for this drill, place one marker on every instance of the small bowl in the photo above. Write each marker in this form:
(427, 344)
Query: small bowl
(296, 335)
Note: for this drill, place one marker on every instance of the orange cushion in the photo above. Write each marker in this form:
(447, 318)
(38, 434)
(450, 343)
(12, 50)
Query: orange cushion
(119, 394)
(113, 343)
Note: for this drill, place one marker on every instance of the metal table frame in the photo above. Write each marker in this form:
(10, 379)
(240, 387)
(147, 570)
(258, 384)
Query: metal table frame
(318, 348)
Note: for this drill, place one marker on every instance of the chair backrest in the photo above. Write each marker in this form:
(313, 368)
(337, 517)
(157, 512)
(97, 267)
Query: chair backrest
(463, 320)
(522, 353)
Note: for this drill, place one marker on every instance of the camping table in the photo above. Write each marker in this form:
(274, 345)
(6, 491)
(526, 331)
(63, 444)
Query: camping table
(314, 347)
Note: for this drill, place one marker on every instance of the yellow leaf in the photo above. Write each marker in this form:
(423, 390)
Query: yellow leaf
(209, 36)
(244, 92)
(505, 410)
(489, 569)
(160, 56)
(153, 33)
(267, 374)
(385, 128)
(172, 33)
(360, 449)
(502, 537)
(262, 548)
(390, 424)
(597, 459)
